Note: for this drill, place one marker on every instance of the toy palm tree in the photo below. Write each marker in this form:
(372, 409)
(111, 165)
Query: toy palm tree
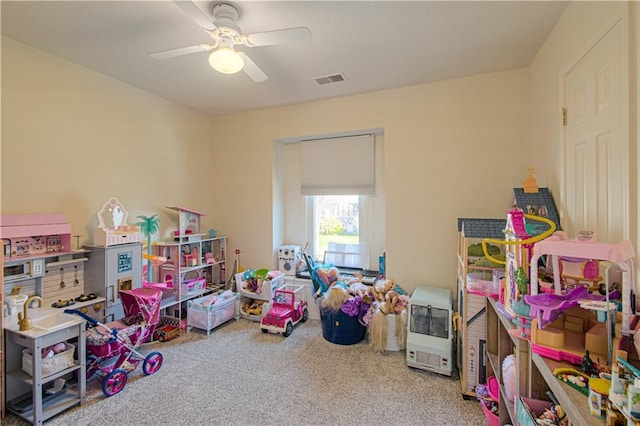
(149, 226)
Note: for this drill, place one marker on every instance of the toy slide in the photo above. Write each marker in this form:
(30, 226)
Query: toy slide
(156, 261)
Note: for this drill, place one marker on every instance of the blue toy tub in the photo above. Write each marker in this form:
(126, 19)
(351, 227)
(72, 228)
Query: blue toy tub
(340, 328)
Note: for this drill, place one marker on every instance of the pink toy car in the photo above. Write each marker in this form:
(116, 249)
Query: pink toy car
(288, 309)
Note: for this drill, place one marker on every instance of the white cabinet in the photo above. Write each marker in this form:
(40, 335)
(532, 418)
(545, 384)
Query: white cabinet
(111, 269)
(193, 266)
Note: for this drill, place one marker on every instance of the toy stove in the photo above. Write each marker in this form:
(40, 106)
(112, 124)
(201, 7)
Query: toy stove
(429, 330)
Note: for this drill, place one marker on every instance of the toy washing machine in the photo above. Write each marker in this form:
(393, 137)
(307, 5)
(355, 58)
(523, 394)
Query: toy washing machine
(429, 330)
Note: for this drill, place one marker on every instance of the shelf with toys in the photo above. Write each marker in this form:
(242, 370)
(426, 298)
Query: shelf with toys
(189, 266)
(256, 289)
(567, 321)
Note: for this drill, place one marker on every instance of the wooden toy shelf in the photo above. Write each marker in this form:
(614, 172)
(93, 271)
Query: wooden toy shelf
(534, 372)
(574, 403)
(501, 343)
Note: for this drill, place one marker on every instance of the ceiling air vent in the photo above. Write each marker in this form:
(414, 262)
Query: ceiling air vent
(327, 79)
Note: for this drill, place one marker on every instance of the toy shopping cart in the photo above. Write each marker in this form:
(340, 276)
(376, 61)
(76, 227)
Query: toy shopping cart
(112, 347)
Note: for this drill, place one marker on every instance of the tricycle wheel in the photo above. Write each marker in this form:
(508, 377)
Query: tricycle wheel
(264, 330)
(92, 366)
(114, 382)
(288, 330)
(152, 363)
(305, 315)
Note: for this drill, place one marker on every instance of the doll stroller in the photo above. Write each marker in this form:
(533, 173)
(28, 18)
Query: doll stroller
(112, 347)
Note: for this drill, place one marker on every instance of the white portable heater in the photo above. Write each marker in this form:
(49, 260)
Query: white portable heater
(429, 330)
(288, 257)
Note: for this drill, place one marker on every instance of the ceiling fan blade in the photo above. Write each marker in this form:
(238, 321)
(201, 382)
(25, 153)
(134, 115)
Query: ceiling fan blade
(252, 69)
(196, 14)
(172, 53)
(289, 35)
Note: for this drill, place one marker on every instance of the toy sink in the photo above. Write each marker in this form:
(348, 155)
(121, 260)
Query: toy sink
(52, 321)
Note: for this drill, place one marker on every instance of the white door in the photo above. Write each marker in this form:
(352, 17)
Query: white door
(596, 140)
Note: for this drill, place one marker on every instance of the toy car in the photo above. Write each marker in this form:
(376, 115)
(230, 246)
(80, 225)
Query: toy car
(166, 333)
(288, 309)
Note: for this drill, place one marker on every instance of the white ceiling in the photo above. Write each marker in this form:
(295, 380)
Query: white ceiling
(377, 45)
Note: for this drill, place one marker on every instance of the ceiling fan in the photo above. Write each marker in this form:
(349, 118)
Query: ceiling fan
(226, 34)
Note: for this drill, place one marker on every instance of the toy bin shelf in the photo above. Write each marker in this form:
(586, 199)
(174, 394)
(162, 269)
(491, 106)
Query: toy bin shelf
(206, 316)
(264, 296)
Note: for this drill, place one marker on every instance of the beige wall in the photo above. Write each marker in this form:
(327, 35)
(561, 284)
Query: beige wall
(71, 138)
(452, 149)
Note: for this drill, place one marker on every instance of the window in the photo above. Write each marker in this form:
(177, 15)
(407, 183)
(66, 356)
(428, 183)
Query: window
(311, 174)
(337, 227)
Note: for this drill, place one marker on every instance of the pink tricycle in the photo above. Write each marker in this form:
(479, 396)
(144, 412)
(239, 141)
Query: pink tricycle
(288, 309)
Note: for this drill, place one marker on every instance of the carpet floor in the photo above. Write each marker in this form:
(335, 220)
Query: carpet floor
(240, 376)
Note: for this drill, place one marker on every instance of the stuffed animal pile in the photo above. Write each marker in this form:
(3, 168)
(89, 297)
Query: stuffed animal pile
(371, 304)
(389, 299)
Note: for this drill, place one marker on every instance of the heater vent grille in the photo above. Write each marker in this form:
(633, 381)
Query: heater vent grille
(329, 79)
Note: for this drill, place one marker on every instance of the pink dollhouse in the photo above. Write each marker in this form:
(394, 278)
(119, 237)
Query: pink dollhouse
(35, 234)
(554, 341)
(188, 224)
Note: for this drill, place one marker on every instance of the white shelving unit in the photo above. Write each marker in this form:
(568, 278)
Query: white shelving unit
(194, 265)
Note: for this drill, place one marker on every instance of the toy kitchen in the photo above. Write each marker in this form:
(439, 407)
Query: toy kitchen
(39, 260)
(43, 275)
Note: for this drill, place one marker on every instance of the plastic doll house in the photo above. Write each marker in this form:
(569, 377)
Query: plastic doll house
(188, 224)
(556, 339)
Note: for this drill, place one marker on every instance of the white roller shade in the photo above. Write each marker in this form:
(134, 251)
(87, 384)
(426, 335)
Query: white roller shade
(338, 166)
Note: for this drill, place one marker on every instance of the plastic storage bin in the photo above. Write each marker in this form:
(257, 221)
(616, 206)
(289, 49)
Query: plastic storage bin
(267, 287)
(50, 365)
(207, 317)
(527, 410)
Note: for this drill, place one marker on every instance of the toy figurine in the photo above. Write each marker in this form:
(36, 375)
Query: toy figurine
(587, 366)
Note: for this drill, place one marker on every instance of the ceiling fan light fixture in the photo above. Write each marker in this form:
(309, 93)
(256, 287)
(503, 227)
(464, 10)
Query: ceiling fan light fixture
(226, 60)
